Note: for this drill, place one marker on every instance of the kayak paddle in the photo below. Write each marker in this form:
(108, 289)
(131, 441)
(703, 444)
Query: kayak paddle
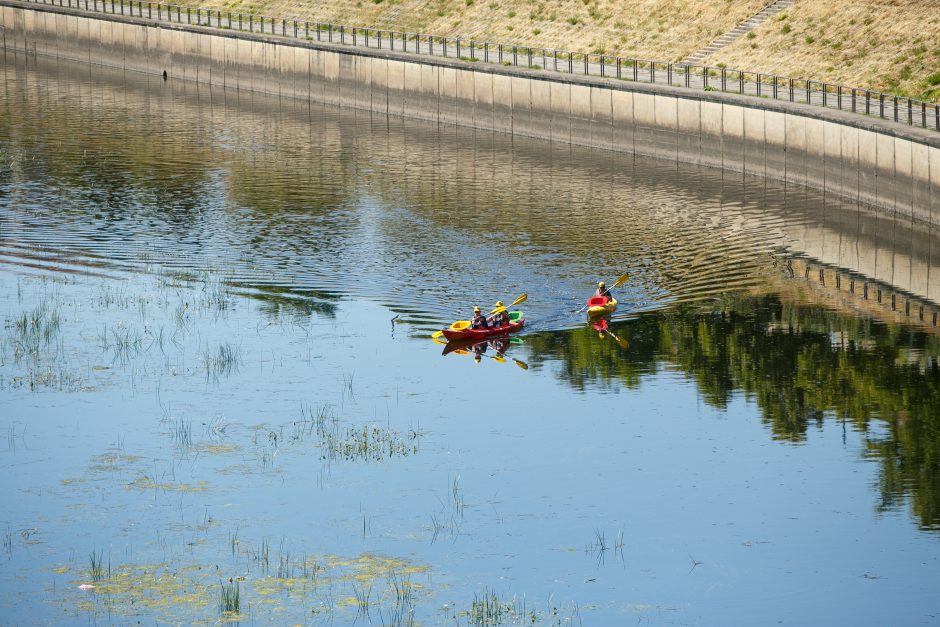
(518, 301)
(623, 343)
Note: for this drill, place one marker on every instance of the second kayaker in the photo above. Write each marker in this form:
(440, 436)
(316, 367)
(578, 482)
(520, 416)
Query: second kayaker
(478, 321)
(501, 317)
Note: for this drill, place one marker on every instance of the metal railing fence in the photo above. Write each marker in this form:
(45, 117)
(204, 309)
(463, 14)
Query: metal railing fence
(900, 109)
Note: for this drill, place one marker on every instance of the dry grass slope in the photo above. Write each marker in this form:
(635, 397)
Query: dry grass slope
(887, 45)
(657, 29)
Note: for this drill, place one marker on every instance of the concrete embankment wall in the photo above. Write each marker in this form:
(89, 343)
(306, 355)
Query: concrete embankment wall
(890, 166)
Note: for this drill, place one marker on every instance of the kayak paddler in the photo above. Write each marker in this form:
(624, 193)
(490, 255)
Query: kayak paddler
(501, 317)
(603, 291)
(478, 321)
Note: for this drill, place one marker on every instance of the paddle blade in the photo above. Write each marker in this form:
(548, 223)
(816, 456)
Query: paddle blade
(499, 359)
(521, 364)
(436, 335)
(518, 301)
(623, 279)
(623, 343)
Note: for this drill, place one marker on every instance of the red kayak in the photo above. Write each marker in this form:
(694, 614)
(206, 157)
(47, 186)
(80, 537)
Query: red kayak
(481, 334)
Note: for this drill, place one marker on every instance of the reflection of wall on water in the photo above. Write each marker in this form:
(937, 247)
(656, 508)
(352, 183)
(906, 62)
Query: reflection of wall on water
(699, 232)
(885, 164)
(856, 293)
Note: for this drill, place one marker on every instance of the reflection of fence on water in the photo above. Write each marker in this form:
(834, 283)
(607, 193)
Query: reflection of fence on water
(900, 109)
(859, 293)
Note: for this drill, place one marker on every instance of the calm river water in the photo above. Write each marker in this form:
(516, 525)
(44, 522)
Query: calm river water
(216, 377)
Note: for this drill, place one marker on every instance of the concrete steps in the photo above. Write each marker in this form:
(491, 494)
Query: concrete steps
(698, 58)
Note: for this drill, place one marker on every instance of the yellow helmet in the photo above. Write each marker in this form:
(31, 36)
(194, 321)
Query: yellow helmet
(601, 284)
(499, 303)
(476, 310)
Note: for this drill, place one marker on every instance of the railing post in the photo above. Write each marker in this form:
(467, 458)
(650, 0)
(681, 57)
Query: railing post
(189, 16)
(791, 90)
(881, 106)
(808, 98)
(867, 102)
(586, 71)
(515, 56)
(530, 56)
(704, 76)
(669, 74)
(895, 108)
(652, 71)
(570, 63)
(758, 84)
(618, 67)
(251, 23)
(839, 97)
(825, 90)
(688, 75)
(724, 80)
(602, 65)
(775, 90)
